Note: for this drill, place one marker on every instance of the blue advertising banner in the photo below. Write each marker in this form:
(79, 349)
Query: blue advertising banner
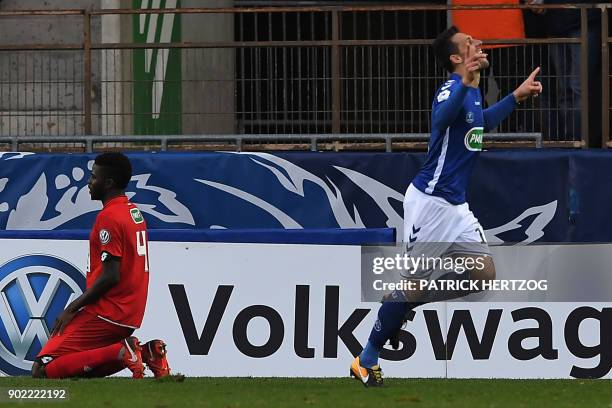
(332, 236)
(518, 195)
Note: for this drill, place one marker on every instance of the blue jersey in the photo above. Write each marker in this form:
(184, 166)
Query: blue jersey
(457, 126)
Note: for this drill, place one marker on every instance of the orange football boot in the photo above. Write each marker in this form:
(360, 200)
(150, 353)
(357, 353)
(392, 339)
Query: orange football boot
(132, 357)
(154, 356)
(369, 377)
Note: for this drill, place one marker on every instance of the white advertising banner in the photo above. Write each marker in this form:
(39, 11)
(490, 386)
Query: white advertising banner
(295, 311)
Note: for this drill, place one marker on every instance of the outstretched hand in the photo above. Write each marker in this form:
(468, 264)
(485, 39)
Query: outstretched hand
(530, 87)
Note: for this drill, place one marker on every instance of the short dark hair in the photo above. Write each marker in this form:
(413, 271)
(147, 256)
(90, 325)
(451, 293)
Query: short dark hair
(117, 167)
(444, 47)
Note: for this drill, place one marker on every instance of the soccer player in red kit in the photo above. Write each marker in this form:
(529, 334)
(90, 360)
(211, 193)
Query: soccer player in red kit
(93, 335)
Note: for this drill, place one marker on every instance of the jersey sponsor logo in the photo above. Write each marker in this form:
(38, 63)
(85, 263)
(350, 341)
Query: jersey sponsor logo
(104, 256)
(105, 237)
(136, 215)
(473, 139)
(469, 117)
(35, 289)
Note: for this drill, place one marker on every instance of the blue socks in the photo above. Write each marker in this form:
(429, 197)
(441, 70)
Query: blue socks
(391, 317)
(390, 320)
(369, 356)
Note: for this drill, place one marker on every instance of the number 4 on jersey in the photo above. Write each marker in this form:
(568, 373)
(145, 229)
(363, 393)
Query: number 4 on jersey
(141, 247)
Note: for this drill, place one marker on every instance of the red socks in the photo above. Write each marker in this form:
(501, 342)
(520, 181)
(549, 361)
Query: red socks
(98, 362)
(106, 369)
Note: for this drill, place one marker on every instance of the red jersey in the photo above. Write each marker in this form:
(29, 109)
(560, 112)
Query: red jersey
(120, 231)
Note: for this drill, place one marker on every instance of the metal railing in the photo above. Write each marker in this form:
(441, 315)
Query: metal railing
(237, 142)
(321, 73)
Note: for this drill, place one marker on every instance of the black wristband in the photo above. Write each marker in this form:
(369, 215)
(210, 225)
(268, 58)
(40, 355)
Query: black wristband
(107, 256)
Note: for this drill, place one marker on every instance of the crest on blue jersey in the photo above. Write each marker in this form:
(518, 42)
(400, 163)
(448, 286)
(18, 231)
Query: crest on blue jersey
(469, 118)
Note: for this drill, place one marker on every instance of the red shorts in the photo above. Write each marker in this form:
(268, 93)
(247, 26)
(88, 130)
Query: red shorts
(85, 331)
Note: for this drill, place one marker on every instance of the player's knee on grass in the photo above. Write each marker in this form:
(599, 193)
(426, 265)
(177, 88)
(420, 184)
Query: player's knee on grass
(38, 370)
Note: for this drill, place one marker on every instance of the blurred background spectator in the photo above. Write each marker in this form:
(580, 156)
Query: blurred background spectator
(509, 64)
(565, 120)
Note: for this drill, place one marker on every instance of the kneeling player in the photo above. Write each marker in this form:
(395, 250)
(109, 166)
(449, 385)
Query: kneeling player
(93, 335)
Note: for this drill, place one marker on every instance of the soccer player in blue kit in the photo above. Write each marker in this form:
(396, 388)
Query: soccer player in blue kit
(435, 207)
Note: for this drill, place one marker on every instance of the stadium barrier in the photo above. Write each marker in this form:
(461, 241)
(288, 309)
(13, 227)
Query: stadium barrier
(268, 236)
(518, 196)
(294, 310)
(317, 70)
(382, 141)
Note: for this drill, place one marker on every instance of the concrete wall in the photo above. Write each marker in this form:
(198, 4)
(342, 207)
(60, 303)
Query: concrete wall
(42, 92)
(208, 74)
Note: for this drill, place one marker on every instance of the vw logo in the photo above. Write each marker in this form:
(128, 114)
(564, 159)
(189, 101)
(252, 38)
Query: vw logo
(34, 290)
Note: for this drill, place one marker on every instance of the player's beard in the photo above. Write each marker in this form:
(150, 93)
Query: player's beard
(484, 64)
(95, 194)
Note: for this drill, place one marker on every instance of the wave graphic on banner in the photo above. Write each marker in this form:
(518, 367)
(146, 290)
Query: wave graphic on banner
(534, 230)
(292, 178)
(74, 201)
(14, 155)
(263, 190)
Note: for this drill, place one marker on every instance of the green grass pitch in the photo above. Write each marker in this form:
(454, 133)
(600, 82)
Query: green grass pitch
(279, 392)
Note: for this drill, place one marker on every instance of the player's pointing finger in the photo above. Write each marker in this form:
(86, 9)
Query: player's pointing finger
(534, 73)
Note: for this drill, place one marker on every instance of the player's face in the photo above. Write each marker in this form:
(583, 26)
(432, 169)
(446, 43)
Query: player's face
(467, 43)
(97, 183)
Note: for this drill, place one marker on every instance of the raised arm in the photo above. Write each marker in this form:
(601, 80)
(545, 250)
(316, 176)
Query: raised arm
(500, 111)
(447, 104)
(497, 112)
